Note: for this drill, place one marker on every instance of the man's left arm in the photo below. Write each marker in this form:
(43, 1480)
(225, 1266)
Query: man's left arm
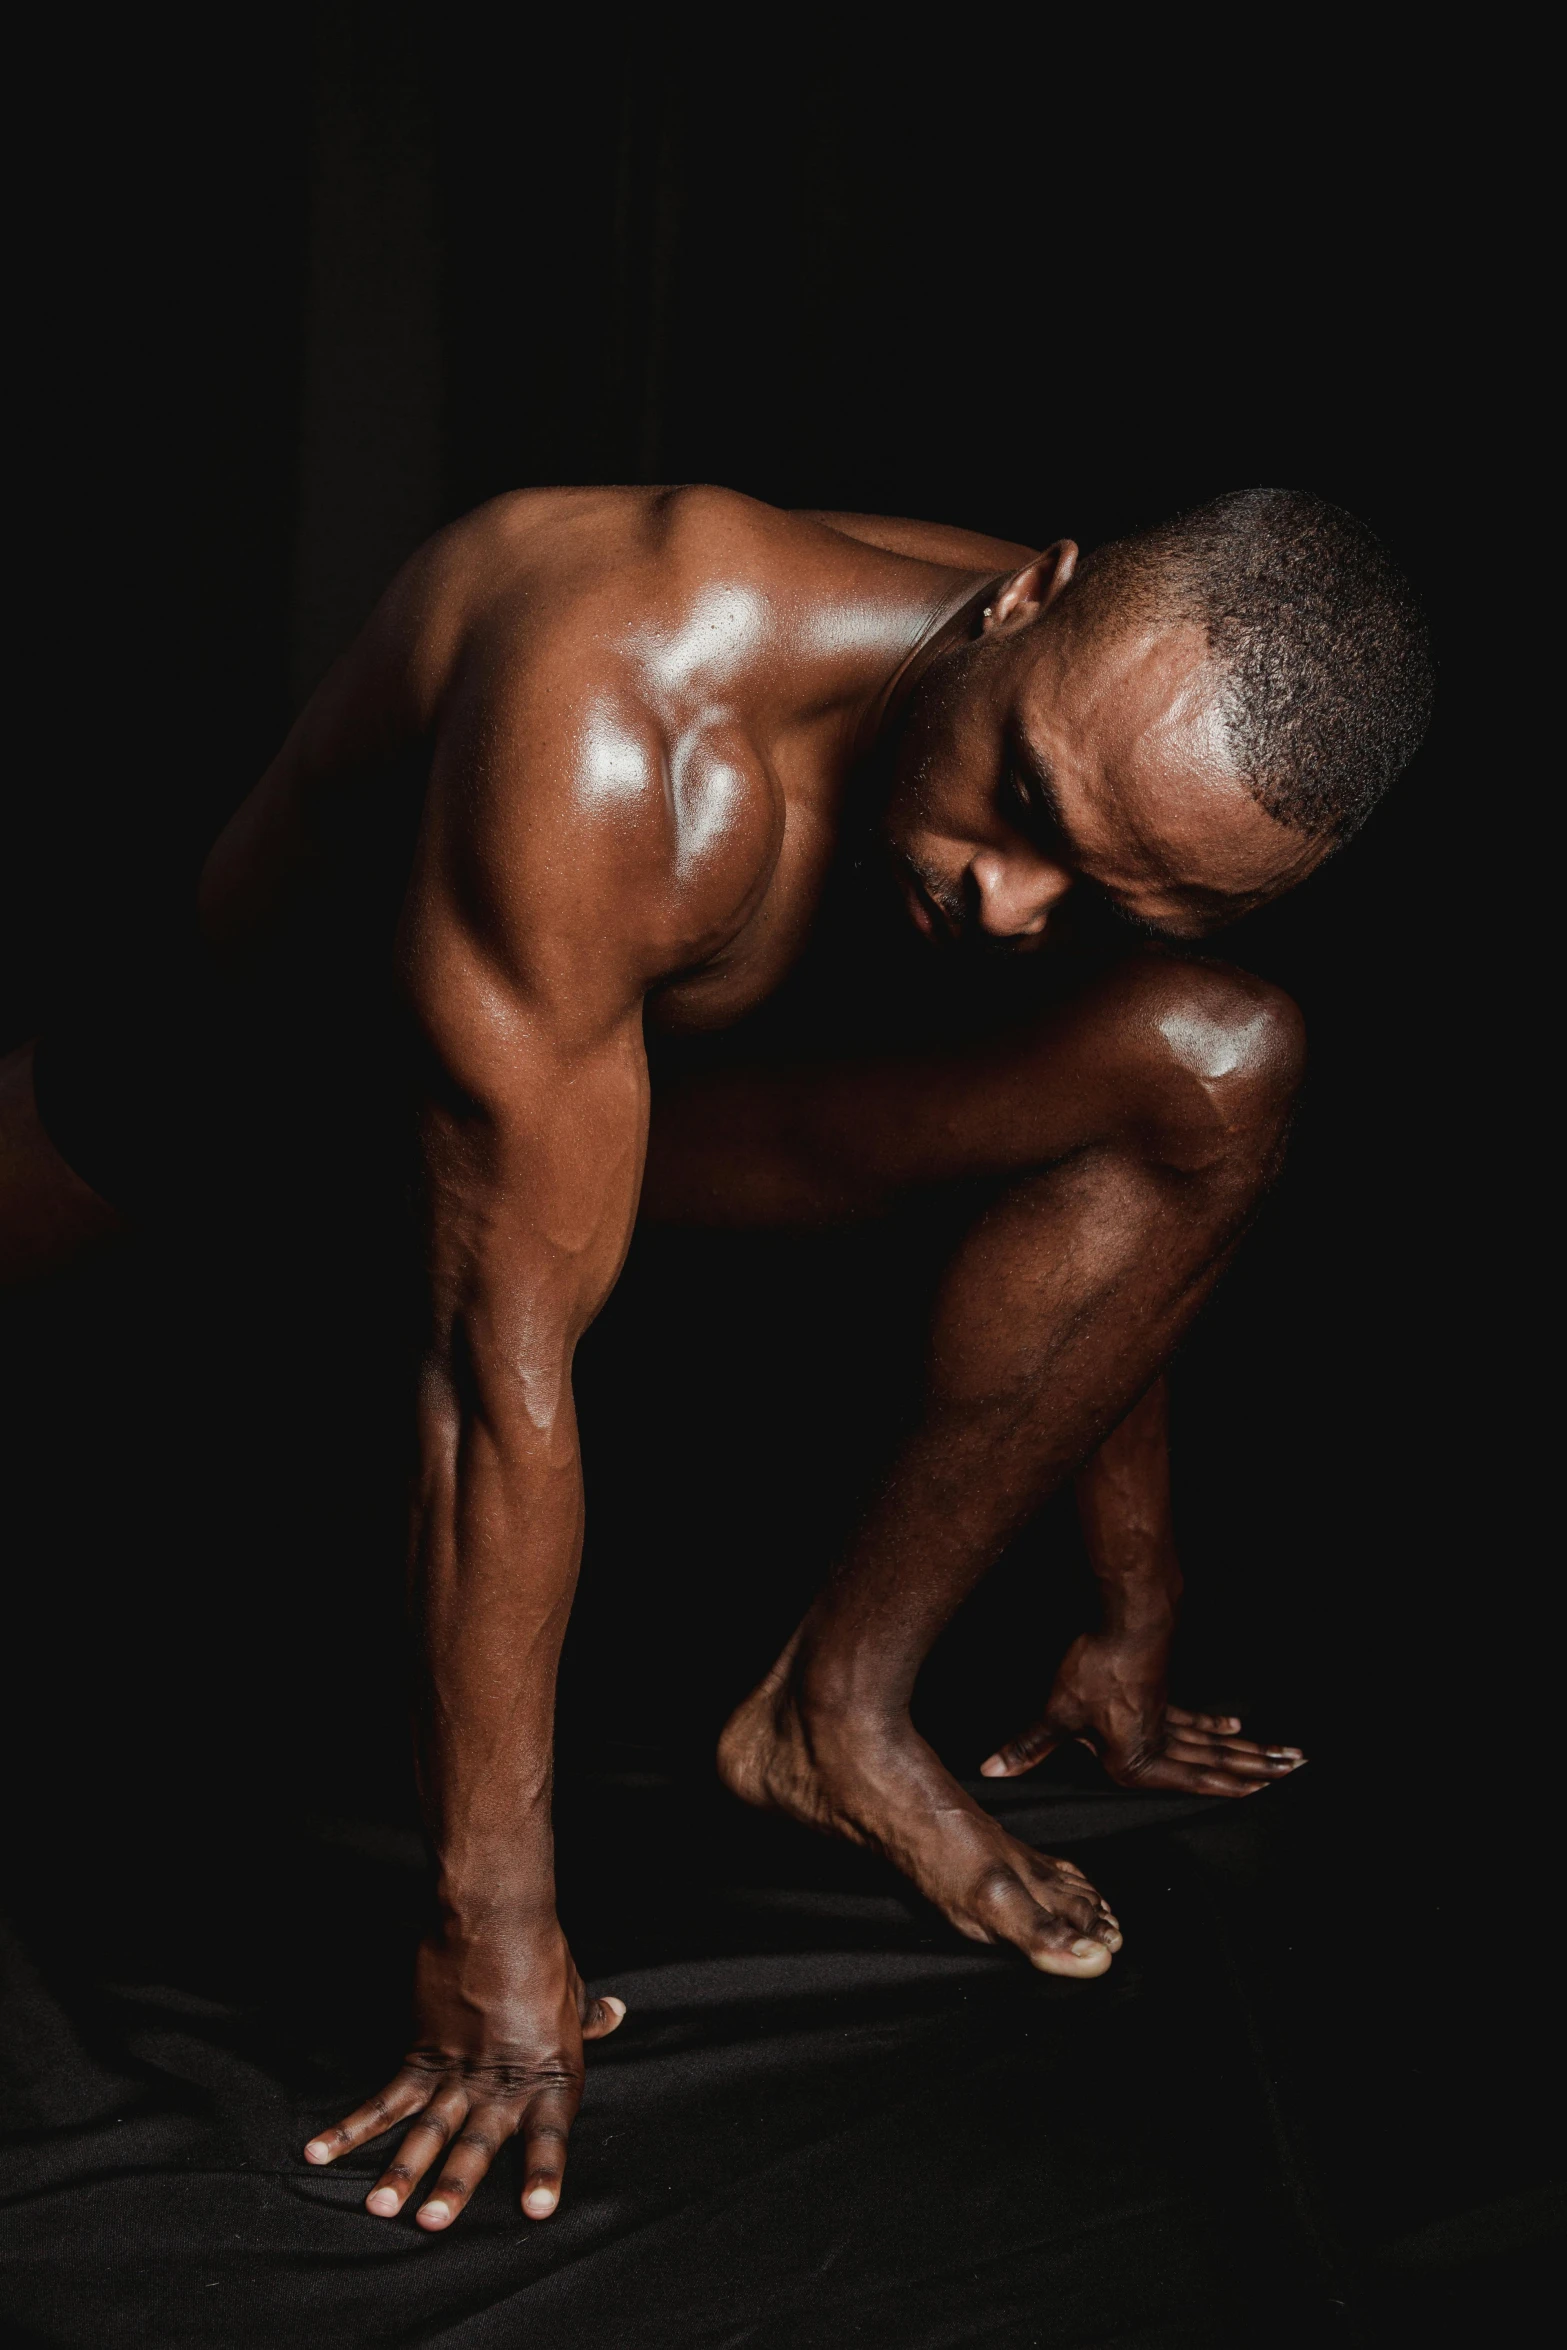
(1110, 1693)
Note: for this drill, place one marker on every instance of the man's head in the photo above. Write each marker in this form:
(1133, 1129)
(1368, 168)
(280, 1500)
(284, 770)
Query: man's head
(1185, 724)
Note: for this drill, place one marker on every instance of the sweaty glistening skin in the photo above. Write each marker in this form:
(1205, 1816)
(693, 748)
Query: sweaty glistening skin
(648, 718)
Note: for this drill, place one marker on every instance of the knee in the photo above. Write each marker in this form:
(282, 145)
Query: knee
(1214, 1059)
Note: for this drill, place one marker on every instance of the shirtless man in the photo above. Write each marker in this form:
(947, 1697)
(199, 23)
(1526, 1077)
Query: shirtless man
(642, 722)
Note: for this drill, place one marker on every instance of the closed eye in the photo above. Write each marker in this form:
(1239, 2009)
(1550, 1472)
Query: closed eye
(1031, 805)
(1034, 806)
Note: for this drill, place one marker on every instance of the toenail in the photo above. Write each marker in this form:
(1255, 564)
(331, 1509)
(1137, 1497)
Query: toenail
(1085, 1949)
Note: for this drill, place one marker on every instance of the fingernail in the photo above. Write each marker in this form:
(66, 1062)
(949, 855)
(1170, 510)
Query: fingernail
(318, 2151)
(616, 2006)
(435, 2215)
(383, 2203)
(539, 2201)
(993, 1767)
(1285, 1754)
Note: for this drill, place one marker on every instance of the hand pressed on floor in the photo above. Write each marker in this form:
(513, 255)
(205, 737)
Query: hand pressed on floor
(502, 2018)
(1109, 1697)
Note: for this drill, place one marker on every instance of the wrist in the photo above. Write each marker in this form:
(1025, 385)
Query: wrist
(496, 1879)
(475, 1913)
(1141, 1608)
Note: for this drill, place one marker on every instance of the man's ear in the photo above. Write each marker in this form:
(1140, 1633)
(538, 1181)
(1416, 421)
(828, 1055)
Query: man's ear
(1032, 590)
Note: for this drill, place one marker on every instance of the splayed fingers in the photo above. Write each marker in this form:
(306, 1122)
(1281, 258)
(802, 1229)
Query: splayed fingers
(1205, 1754)
(1196, 1754)
(464, 2110)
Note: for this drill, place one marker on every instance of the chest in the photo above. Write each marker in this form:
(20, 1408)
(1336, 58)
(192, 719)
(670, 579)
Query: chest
(742, 973)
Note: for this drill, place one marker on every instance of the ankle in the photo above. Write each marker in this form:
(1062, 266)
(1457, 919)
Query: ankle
(831, 1703)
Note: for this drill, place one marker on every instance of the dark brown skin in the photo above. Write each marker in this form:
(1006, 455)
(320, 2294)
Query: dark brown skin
(644, 713)
(1109, 1692)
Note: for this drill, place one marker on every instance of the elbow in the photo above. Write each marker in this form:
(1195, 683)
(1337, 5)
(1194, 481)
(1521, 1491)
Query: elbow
(520, 1392)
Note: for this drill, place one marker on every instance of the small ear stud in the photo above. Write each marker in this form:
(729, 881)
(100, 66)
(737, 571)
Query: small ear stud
(989, 608)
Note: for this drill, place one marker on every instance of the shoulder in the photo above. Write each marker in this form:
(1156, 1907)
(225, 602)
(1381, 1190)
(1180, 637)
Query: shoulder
(596, 800)
(472, 584)
(690, 565)
(927, 542)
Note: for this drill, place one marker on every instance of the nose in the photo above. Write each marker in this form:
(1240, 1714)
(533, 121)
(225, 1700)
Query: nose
(1016, 892)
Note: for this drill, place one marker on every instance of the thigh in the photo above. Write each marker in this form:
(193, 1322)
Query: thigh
(818, 1142)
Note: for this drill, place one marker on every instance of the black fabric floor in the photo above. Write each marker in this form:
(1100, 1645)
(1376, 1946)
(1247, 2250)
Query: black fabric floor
(827, 2120)
(1299, 2111)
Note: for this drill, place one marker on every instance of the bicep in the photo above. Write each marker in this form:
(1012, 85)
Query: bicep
(542, 906)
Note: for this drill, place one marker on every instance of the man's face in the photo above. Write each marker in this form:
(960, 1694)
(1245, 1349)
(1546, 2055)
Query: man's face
(1045, 761)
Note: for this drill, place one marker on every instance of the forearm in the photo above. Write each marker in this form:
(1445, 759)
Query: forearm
(1123, 1502)
(1111, 1689)
(496, 1542)
(530, 1204)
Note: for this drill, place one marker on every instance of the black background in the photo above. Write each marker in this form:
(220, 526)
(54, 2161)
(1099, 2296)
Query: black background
(310, 284)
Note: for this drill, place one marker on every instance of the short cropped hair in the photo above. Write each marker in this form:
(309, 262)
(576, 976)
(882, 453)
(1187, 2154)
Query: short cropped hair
(1321, 639)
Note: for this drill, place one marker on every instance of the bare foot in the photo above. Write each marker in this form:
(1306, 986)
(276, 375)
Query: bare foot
(881, 1785)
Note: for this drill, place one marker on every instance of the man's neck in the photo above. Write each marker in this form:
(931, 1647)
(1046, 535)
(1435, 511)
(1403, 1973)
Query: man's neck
(952, 616)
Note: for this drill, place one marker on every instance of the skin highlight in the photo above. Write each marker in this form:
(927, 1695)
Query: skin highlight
(648, 720)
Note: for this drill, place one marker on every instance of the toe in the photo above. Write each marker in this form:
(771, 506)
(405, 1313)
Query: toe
(1076, 1906)
(1057, 1931)
(1085, 1956)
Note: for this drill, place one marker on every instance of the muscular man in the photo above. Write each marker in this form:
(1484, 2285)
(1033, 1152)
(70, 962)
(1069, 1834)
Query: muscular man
(640, 724)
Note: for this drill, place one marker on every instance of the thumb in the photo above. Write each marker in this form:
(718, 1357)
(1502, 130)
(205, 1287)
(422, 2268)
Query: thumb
(1021, 1754)
(602, 2016)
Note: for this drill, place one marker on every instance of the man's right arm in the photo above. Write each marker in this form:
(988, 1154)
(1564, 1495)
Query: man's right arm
(523, 966)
